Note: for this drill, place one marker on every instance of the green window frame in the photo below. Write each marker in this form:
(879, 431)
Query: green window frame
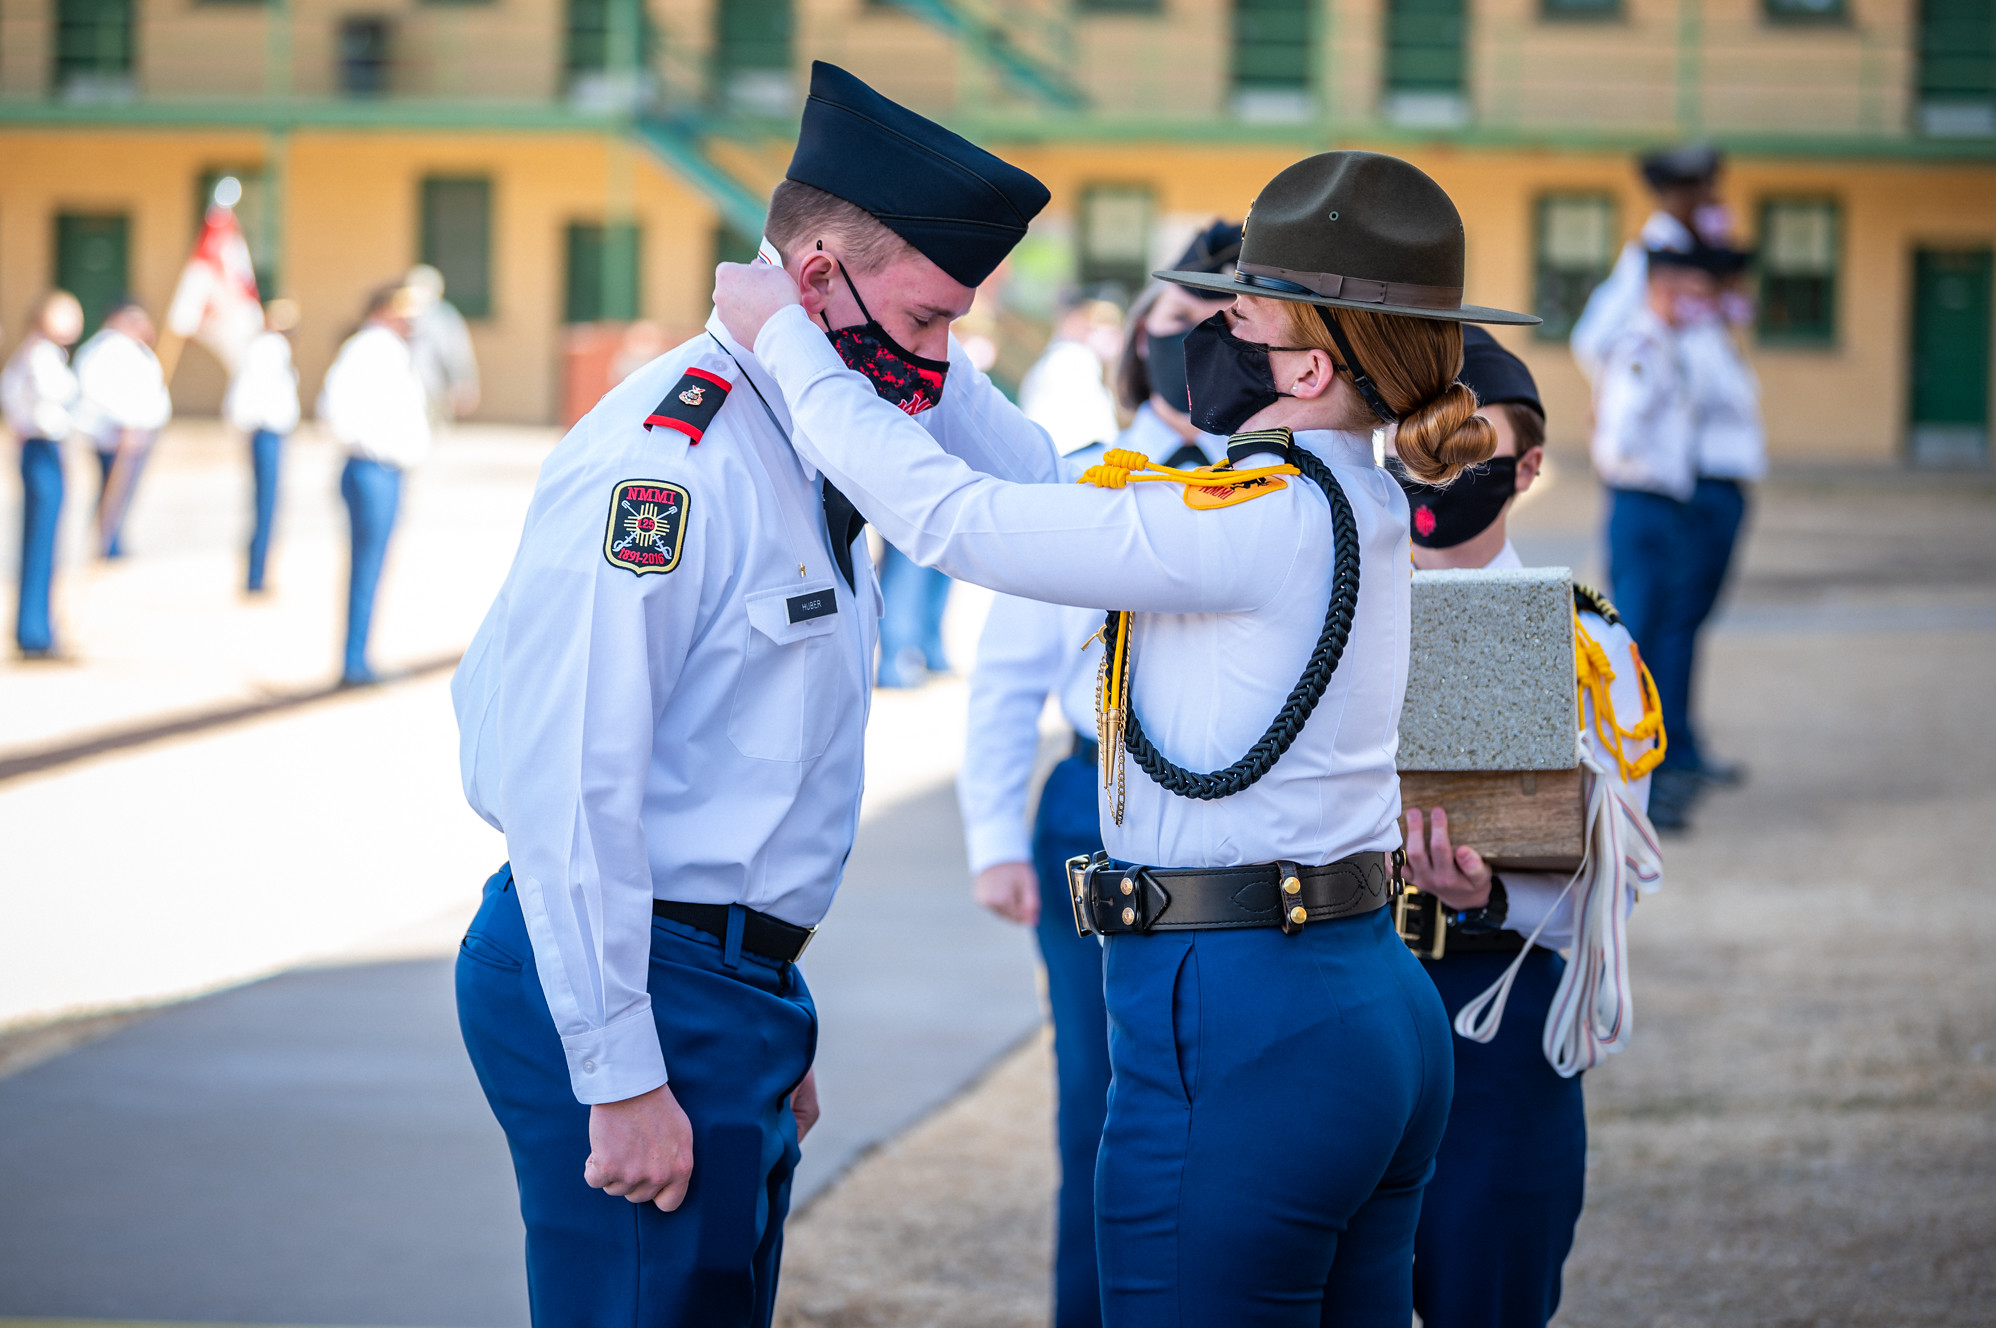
(753, 34)
(93, 260)
(456, 240)
(1570, 11)
(95, 41)
(1120, 6)
(605, 272)
(1957, 68)
(1273, 45)
(1805, 11)
(586, 30)
(1115, 234)
(1427, 46)
(1801, 242)
(1573, 250)
(366, 55)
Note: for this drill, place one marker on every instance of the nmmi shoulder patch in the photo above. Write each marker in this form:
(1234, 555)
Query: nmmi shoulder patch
(1202, 499)
(647, 526)
(691, 404)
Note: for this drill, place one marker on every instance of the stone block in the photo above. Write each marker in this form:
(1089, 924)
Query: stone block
(1490, 681)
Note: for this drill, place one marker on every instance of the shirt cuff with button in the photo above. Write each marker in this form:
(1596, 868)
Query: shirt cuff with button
(620, 1060)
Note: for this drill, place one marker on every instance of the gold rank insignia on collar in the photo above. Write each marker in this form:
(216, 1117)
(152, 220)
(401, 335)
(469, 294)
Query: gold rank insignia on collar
(1206, 487)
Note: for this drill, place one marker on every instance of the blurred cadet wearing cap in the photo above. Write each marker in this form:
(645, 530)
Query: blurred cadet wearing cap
(664, 714)
(1497, 1221)
(1684, 181)
(1677, 432)
(373, 405)
(262, 401)
(1027, 653)
(122, 404)
(1281, 1066)
(37, 393)
(440, 346)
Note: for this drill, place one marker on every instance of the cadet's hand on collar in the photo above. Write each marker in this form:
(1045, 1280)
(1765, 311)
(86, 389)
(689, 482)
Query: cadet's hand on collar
(749, 295)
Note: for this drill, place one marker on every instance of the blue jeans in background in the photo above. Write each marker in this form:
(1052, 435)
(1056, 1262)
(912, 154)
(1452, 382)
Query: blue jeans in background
(266, 448)
(914, 598)
(41, 513)
(111, 533)
(1667, 561)
(373, 491)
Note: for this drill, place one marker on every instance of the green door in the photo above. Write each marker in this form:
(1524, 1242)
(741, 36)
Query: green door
(92, 261)
(1951, 345)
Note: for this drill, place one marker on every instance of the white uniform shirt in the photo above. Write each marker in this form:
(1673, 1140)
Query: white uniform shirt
(373, 401)
(1645, 412)
(119, 387)
(1732, 439)
(684, 734)
(264, 392)
(1064, 394)
(1617, 299)
(1029, 650)
(440, 347)
(1229, 604)
(37, 390)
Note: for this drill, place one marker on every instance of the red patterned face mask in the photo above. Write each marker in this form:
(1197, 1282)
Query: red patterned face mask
(901, 377)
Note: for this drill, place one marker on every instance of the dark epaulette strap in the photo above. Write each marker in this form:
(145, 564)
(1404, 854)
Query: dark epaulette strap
(1309, 689)
(1589, 600)
(1244, 445)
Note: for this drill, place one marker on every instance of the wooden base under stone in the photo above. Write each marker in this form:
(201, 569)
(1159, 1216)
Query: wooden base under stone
(1527, 820)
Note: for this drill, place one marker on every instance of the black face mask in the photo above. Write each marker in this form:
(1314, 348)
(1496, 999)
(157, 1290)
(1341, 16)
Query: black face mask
(901, 377)
(1229, 379)
(1463, 509)
(1164, 362)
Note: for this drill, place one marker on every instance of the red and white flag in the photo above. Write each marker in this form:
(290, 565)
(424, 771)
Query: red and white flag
(216, 301)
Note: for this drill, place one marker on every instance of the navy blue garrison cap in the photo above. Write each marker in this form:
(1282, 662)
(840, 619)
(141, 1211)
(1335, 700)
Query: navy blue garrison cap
(1495, 374)
(960, 207)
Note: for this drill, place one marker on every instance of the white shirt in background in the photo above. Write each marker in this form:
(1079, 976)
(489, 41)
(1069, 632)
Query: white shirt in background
(120, 386)
(440, 346)
(373, 401)
(1731, 438)
(1617, 299)
(1645, 411)
(1064, 394)
(38, 390)
(264, 392)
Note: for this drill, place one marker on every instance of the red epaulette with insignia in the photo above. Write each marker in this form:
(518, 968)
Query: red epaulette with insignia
(691, 404)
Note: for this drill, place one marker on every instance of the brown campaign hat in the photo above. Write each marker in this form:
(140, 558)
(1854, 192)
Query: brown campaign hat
(1353, 230)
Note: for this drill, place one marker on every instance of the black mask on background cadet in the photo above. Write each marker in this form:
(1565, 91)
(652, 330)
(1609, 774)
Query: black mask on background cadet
(1164, 363)
(1229, 379)
(1462, 509)
(901, 377)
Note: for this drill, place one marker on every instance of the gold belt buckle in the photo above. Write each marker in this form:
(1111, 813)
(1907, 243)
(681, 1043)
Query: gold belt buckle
(1077, 893)
(1418, 919)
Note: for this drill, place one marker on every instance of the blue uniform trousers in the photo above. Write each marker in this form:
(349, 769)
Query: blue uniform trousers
(1069, 825)
(1498, 1220)
(41, 514)
(266, 447)
(913, 598)
(737, 1039)
(372, 491)
(1667, 562)
(112, 522)
(1274, 1116)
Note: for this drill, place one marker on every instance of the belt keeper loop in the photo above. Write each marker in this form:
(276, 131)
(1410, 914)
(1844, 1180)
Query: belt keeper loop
(1289, 897)
(731, 946)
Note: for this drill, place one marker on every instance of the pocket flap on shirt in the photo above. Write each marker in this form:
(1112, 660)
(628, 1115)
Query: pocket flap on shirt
(789, 613)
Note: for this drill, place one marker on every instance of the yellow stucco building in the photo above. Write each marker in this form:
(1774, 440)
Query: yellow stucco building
(570, 162)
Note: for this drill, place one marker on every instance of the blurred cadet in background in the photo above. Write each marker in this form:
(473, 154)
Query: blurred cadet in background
(122, 404)
(1685, 182)
(914, 599)
(1677, 431)
(1031, 650)
(374, 405)
(263, 403)
(1497, 1221)
(440, 344)
(37, 392)
(1066, 391)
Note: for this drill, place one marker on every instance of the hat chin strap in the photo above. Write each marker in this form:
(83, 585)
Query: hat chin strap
(1367, 389)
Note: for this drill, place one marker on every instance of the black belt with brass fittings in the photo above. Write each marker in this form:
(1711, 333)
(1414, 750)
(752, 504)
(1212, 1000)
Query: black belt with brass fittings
(1113, 899)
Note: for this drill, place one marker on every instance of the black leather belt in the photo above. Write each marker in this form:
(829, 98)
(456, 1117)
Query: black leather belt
(1112, 899)
(762, 936)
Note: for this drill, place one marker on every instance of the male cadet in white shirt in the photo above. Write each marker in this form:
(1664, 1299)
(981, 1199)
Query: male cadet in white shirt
(1498, 1217)
(37, 391)
(664, 712)
(1030, 650)
(263, 403)
(122, 405)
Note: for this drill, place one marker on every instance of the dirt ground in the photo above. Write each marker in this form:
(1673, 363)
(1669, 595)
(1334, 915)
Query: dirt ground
(1804, 1130)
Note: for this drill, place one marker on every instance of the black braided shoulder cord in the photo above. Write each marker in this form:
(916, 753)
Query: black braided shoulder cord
(1309, 689)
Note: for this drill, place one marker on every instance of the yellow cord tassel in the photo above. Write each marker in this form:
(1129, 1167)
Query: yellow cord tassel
(1594, 673)
(1121, 467)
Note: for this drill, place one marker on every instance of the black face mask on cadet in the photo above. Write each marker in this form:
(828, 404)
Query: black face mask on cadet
(1229, 379)
(1164, 364)
(901, 377)
(1463, 509)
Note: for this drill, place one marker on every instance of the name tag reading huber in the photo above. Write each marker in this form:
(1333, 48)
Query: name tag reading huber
(815, 604)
